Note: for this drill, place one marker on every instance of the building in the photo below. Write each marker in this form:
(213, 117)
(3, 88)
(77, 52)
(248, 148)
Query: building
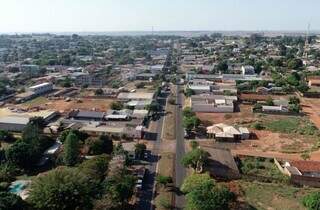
(146, 76)
(223, 132)
(213, 103)
(301, 172)
(118, 115)
(41, 88)
(137, 96)
(221, 164)
(30, 70)
(200, 89)
(13, 123)
(95, 80)
(275, 109)
(86, 115)
(247, 70)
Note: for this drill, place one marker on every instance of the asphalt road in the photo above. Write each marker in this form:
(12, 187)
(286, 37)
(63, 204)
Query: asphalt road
(147, 194)
(180, 171)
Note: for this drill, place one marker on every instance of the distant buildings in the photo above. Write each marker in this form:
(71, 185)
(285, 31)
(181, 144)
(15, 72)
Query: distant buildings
(41, 88)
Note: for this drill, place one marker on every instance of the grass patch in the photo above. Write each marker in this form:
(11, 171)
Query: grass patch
(263, 167)
(273, 196)
(36, 102)
(290, 125)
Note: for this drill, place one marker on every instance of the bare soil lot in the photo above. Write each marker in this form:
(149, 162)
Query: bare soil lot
(282, 136)
(64, 106)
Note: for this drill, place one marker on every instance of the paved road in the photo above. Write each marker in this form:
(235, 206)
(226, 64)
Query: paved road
(147, 191)
(180, 171)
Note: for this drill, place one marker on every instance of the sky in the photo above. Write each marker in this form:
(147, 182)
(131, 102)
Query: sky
(163, 15)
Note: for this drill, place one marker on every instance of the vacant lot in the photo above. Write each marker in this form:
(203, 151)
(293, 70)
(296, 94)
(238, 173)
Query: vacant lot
(64, 106)
(257, 195)
(277, 134)
(311, 107)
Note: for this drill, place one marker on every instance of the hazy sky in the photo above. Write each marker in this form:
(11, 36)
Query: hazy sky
(141, 15)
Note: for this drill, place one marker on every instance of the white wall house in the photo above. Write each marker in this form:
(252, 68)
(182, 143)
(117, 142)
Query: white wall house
(41, 88)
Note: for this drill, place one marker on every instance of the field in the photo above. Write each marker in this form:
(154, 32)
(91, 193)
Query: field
(280, 136)
(63, 106)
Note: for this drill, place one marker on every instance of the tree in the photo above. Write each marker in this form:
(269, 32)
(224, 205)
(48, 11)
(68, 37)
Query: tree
(312, 201)
(101, 145)
(194, 180)
(269, 101)
(190, 123)
(62, 189)
(187, 112)
(116, 105)
(208, 196)
(163, 180)
(294, 100)
(222, 66)
(139, 150)
(21, 154)
(9, 201)
(154, 107)
(195, 159)
(6, 136)
(194, 144)
(98, 92)
(71, 150)
(120, 188)
(96, 168)
(189, 92)
(295, 63)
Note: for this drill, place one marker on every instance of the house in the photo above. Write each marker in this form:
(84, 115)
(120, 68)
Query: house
(146, 76)
(200, 89)
(223, 132)
(247, 70)
(213, 103)
(301, 172)
(86, 115)
(275, 109)
(137, 96)
(118, 115)
(138, 104)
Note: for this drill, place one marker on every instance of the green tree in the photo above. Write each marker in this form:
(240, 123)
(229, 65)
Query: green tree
(154, 107)
(189, 92)
(120, 188)
(194, 144)
(62, 189)
(222, 66)
(190, 123)
(208, 196)
(9, 201)
(6, 136)
(96, 168)
(187, 112)
(195, 159)
(116, 105)
(312, 201)
(194, 180)
(269, 101)
(98, 92)
(71, 150)
(21, 154)
(163, 180)
(139, 150)
(99, 146)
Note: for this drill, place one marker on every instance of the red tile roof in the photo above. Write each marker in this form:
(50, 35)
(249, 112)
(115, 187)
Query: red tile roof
(306, 166)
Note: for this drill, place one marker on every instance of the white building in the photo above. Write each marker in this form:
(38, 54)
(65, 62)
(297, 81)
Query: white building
(41, 88)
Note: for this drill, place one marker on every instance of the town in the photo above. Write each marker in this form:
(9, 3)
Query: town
(138, 122)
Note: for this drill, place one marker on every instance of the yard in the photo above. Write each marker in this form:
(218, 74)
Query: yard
(257, 195)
